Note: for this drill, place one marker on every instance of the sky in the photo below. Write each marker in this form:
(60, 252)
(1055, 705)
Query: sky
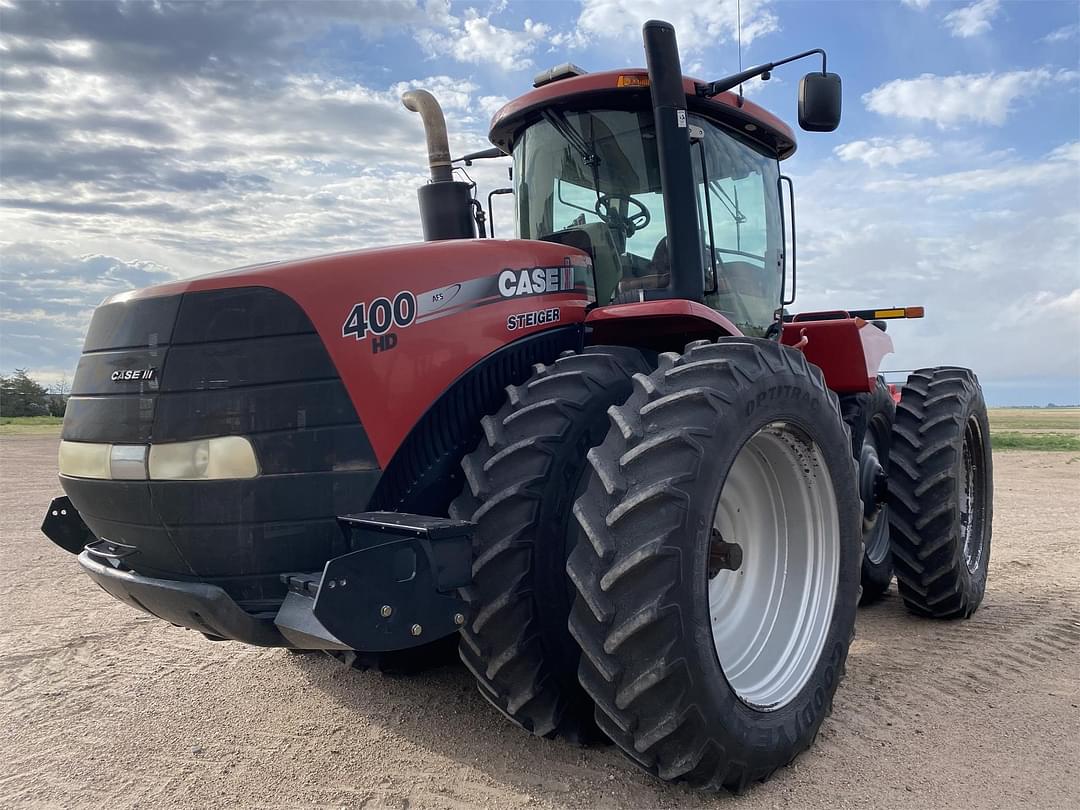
(142, 142)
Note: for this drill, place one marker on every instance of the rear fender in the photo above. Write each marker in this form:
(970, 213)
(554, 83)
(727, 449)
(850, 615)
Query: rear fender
(848, 351)
(663, 325)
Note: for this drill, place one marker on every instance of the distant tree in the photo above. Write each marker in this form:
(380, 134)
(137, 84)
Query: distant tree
(22, 396)
(58, 396)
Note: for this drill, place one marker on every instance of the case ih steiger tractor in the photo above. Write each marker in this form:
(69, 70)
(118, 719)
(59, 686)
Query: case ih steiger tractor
(645, 498)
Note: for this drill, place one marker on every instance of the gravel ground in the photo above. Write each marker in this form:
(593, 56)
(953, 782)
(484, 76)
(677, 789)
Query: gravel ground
(101, 705)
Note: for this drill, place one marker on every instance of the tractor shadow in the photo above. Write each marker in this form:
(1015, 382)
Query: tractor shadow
(440, 711)
(900, 667)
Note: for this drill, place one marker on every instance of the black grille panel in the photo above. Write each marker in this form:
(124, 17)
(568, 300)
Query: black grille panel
(144, 322)
(240, 363)
(237, 361)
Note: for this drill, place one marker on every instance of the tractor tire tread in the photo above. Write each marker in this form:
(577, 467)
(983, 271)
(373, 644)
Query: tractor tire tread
(632, 664)
(506, 641)
(923, 492)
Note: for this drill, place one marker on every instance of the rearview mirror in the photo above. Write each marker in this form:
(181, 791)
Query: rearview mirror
(819, 102)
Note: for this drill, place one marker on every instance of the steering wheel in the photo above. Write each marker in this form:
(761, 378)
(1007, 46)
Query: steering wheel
(605, 209)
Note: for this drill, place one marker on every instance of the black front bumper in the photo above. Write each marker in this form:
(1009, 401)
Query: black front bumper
(396, 590)
(202, 607)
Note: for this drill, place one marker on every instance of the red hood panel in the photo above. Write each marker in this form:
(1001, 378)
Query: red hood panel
(455, 304)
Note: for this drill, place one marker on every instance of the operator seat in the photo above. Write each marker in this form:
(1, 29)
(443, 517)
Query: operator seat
(656, 277)
(594, 238)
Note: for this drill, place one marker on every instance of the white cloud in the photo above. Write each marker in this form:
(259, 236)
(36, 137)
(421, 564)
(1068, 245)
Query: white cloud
(48, 297)
(1043, 305)
(948, 101)
(919, 4)
(876, 152)
(453, 94)
(1063, 34)
(969, 244)
(477, 40)
(972, 20)
(489, 105)
(699, 26)
(1059, 167)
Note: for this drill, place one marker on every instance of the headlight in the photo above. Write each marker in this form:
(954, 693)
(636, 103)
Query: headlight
(222, 457)
(217, 458)
(84, 460)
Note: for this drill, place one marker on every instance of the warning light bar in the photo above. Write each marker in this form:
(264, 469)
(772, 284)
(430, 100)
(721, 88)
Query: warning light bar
(632, 80)
(887, 314)
(890, 313)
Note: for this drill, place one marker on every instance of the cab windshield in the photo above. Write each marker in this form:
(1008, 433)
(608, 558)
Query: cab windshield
(591, 179)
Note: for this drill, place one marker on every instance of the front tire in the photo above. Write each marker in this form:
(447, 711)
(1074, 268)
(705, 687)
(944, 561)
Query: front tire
(718, 564)
(941, 493)
(521, 483)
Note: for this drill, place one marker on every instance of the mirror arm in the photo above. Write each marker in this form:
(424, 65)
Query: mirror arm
(721, 85)
(483, 154)
(491, 216)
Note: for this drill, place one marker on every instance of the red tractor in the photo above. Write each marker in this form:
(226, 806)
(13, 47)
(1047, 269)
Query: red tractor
(601, 454)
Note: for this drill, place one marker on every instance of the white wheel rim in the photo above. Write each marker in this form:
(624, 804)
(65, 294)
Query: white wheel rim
(771, 616)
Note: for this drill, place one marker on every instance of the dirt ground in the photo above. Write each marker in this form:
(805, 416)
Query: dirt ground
(101, 705)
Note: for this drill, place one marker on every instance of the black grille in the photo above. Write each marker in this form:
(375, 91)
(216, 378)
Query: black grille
(224, 362)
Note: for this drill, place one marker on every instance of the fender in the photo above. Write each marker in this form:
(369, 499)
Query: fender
(848, 351)
(664, 325)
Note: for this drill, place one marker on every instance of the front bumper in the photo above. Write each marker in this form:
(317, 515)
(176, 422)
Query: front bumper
(202, 607)
(396, 590)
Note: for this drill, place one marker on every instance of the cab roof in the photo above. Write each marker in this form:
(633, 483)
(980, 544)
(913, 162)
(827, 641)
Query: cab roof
(630, 88)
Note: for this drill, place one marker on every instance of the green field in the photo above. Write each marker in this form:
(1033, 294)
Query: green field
(29, 425)
(1035, 429)
(1064, 420)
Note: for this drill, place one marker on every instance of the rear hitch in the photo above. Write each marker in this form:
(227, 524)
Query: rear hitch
(397, 590)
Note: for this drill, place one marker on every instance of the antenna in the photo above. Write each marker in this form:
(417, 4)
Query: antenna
(738, 34)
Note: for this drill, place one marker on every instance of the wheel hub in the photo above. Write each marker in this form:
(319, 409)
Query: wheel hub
(872, 480)
(971, 505)
(723, 556)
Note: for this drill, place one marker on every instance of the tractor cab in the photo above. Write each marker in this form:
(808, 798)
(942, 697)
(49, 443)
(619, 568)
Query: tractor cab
(672, 185)
(590, 177)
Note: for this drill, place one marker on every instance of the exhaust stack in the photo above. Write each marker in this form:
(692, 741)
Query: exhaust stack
(673, 152)
(445, 204)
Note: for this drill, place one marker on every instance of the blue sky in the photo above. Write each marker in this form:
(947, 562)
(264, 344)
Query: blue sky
(142, 142)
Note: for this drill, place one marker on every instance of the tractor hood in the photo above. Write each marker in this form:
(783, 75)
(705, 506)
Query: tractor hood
(365, 307)
(218, 426)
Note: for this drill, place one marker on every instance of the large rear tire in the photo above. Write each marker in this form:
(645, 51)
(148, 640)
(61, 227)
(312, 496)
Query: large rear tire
(718, 565)
(521, 483)
(870, 419)
(941, 493)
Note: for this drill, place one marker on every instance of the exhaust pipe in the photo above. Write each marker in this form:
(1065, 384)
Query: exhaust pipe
(676, 170)
(445, 204)
(438, 146)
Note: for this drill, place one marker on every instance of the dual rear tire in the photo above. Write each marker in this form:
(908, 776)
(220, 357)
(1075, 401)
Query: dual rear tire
(941, 493)
(703, 659)
(521, 483)
(699, 529)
